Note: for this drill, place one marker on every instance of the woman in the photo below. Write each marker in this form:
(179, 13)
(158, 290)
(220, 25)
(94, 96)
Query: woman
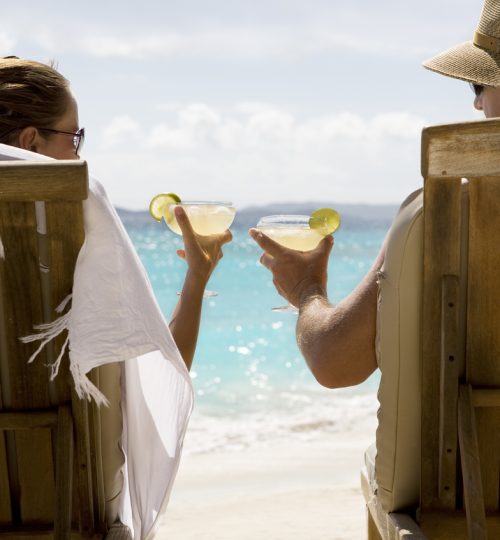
(114, 319)
(39, 113)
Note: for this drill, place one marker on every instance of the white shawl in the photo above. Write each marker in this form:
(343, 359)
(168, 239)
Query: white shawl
(114, 317)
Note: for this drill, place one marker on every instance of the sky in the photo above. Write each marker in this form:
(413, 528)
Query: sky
(254, 102)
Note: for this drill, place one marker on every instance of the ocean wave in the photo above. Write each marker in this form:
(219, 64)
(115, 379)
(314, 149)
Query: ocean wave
(304, 418)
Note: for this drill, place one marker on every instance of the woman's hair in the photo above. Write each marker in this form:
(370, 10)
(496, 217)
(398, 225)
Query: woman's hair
(31, 94)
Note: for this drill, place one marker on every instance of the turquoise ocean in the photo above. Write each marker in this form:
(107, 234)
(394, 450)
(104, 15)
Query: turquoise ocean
(251, 383)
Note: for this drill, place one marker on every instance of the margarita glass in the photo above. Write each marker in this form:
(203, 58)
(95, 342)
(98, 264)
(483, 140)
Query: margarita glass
(206, 218)
(298, 232)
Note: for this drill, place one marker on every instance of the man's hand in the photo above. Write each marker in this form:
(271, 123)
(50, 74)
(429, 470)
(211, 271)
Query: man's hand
(296, 274)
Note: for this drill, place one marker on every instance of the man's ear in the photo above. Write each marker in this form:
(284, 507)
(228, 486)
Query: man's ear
(28, 139)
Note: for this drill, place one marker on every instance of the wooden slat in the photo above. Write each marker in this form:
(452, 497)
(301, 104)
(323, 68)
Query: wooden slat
(483, 321)
(403, 527)
(48, 314)
(43, 181)
(5, 499)
(26, 385)
(451, 360)
(96, 457)
(5, 507)
(65, 243)
(461, 150)
(36, 475)
(486, 397)
(28, 420)
(82, 455)
(488, 438)
(442, 205)
(43, 534)
(483, 341)
(387, 526)
(13, 476)
(4, 349)
(27, 388)
(372, 529)
(64, 474)
(391, 526)
(471, 467)
(453, 526)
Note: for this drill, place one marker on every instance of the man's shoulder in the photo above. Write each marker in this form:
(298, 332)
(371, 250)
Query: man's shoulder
(411, 197)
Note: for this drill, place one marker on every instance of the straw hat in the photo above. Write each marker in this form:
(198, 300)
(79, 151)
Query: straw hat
(476, 61)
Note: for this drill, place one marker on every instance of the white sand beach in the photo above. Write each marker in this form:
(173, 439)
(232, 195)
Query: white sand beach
(292, 490)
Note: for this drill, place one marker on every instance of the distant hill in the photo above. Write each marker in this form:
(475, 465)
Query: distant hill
(354, 216)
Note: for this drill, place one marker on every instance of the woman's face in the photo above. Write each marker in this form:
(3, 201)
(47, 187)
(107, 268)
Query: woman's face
(488, 101)
(51, 144)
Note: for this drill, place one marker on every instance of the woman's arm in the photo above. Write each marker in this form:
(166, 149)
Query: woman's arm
(202, 253)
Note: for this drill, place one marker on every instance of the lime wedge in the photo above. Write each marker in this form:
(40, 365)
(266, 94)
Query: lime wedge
(160, 203)
(325, 220)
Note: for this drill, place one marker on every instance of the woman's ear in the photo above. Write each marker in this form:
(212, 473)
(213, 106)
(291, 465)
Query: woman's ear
(28, 139)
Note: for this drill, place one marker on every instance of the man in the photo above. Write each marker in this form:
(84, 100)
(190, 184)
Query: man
(338, 342)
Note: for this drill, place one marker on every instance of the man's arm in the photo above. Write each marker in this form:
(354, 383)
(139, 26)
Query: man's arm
(338, 342)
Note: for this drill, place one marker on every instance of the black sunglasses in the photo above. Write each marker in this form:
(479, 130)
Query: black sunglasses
(78, 136)
(476, 88)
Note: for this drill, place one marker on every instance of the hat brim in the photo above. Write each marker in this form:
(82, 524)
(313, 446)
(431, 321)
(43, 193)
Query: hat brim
(468, 63)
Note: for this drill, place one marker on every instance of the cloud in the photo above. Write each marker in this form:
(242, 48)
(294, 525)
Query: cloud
(257, 30)
(7, 44)
(121, 129)
(138, 46)
(263, 41)
(241, 43)
(400, 125)
(163, 136)
(257, 152)
(258, 126)
(219, 42)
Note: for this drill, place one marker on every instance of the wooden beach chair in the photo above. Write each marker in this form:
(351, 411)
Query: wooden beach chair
(53, 464)
(458, 491)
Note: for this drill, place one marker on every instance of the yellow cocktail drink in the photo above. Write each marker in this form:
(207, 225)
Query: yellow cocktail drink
(299, 232)
(300, 237)
(292, 231)
(205, 217)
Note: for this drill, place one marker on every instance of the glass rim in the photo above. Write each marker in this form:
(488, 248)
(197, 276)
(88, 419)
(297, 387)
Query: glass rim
(200, 203)
(284, 220)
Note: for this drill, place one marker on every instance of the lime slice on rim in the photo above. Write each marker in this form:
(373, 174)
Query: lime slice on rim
(159, 204)
(325, 220)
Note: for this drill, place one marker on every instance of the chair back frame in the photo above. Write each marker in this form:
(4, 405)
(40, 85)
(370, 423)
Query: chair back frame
(461, 322)
(42, 422)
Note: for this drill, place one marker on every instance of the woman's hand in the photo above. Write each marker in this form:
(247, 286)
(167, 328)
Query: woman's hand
(296, 274)
(202, 253)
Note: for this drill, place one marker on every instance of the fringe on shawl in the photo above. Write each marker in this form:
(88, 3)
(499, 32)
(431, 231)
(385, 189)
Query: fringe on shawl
(46, 332)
